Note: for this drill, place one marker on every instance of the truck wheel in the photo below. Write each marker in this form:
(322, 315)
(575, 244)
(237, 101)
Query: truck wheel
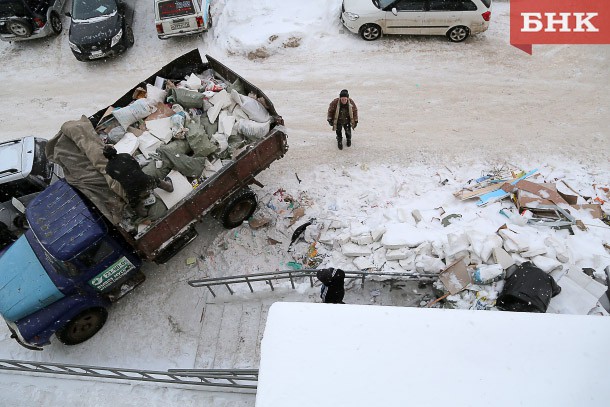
(241, 206)
(20, 27)
(83, 326)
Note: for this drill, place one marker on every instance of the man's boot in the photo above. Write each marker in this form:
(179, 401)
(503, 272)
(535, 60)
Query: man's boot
(340, 143)
(349, 141)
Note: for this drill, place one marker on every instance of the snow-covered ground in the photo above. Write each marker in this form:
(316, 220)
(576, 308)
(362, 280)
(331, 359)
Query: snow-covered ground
(433, 115)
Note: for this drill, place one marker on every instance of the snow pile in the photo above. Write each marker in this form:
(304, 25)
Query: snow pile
(260, 29)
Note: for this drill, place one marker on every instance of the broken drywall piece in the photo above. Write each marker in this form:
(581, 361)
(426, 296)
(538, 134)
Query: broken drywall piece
(193, 82)
(147, 143)
(128, 144)
(417, 215)
(354, 250)
(519, 241)
(362, 240)
(502, 258)
(403, 214)
(182, 187)
(546, 264)
(593, 287)
(534, 252)
(483, 244)
(161, 129)
(398, 254)
(399, 235)
(363, 263)
(428, 264)
(456, 243)
(377, 233)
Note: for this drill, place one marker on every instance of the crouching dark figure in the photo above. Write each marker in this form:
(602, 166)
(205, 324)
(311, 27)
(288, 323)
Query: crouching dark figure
(332, 281)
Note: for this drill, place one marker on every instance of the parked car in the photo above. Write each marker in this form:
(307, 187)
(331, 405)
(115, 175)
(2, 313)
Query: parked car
(28, 19)
(175, 18)
(24, 172)
(100, 28)
(456, 19)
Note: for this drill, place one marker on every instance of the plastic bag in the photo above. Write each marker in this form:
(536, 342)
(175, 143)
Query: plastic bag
(253, 130)
(252, 107)
(128, 115)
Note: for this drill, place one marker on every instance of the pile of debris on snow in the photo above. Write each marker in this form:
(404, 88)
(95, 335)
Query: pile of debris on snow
(552, 229)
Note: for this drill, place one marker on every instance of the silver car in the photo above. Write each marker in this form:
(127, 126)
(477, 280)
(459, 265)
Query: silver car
(456, 19)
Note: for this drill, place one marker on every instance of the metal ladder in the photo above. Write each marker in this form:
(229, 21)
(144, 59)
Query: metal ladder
(292, 275)
(245, 379)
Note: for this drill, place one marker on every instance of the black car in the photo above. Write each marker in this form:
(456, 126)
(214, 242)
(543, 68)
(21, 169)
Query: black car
(100, 28)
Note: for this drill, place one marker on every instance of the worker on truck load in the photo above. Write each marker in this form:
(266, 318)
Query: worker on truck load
(137, 185)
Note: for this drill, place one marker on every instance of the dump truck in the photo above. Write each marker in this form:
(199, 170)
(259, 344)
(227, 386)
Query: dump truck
(77, 257)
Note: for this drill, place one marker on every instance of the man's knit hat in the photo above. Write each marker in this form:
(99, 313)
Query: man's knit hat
(344, 94)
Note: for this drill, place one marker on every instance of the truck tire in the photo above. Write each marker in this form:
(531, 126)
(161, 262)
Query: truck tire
(83, 326)
(20, 27)
(239, 208)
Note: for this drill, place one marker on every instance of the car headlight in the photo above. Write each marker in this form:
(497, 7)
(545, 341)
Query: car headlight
(351, 16)
(74, 47)
(116, 38)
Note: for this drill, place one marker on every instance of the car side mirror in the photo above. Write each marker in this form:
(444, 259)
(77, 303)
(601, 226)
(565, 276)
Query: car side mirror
(68, 14)
(394, 11)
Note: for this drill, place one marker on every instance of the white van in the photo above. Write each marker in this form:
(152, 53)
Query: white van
(456, 19)
(175, 18)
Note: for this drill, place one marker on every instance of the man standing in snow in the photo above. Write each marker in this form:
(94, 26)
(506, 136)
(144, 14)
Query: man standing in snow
(343, 114)
(333, 289)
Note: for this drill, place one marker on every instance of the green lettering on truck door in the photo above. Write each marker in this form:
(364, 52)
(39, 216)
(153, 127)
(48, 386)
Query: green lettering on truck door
(112, 274)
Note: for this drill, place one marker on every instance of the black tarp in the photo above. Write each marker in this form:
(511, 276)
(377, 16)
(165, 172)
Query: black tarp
(527, 289)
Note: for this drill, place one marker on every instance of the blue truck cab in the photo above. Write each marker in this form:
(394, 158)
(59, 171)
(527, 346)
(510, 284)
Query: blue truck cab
(62, 274)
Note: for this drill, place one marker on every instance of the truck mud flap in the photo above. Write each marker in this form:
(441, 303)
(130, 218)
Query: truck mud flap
(175, 246)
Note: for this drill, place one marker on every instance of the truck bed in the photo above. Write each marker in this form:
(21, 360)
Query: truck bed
(217, 189)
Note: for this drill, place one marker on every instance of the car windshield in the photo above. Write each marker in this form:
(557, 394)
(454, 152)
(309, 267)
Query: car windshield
(87, 9)
(12, 9)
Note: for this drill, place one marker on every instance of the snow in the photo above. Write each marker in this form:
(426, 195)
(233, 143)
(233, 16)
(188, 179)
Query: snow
(390, 356)
(434, 115)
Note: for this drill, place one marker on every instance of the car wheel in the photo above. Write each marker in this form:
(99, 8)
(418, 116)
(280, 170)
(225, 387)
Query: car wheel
(56, 24)
(370, 32)
(20, 27)
(129, 38)
(83, 326)
(458, 34)
(239, 208)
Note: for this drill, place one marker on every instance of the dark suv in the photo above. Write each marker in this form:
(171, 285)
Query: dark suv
(100, 28)
(28, 19)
